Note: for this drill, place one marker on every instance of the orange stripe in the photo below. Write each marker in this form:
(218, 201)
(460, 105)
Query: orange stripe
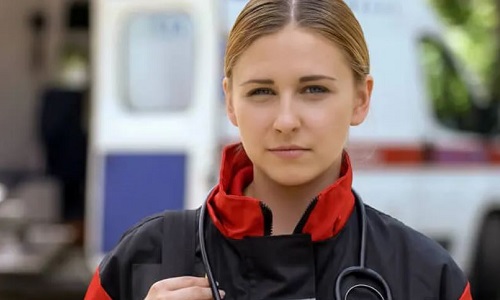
(393, 155)
(373, 154)
(95, 290)
(494, 154)
(466, 294)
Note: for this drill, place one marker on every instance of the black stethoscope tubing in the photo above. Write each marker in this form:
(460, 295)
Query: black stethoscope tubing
(361, 269)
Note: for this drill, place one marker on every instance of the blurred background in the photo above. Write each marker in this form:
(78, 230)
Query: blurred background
(111, 110)
(44, 62)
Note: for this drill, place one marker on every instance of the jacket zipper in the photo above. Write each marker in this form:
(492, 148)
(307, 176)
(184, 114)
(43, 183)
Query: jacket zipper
(303, 220)
(268, 217)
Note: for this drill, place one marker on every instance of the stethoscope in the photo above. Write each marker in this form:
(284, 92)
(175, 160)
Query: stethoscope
(361, 270)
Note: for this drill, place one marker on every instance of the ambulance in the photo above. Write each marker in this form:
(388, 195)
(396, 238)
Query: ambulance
(428, 154)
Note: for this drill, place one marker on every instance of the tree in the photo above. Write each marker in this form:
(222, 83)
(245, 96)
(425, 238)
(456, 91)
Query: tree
(475, 35)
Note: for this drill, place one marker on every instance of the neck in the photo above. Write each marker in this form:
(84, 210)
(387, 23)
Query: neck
(288, 203)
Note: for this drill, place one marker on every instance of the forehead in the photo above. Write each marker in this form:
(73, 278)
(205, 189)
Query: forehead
(292, 51)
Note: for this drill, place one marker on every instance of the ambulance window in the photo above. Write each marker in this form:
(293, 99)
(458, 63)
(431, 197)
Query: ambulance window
(449, 94)
(158, 64)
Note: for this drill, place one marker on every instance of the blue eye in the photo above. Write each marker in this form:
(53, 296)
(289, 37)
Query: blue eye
(315, 89)
(260, 92)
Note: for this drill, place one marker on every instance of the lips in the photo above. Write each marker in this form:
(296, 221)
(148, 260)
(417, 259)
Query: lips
(289, 151)
(289, 148)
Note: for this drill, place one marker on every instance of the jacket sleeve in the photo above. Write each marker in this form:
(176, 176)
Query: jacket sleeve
(95, 290)
(454, 283)
(113, 277)
(466, 295)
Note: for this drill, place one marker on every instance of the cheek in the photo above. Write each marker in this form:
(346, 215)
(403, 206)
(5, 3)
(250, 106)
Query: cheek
(251, 117)
(243, 116)
(250, 126)
(331, 119)
(330, 128)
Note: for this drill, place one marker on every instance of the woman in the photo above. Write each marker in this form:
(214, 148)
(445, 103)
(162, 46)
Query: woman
(283, 222)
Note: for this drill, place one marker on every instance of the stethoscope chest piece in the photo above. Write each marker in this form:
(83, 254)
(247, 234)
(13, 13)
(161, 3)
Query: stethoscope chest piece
(361, 283)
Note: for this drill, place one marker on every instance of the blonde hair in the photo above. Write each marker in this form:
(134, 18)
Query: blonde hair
(333, 19)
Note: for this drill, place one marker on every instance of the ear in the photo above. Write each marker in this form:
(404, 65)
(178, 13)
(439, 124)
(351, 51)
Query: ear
(362, 101)
(228, 96)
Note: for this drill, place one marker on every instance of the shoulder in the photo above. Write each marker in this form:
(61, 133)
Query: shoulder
(145, 235)
(140, 244)
(142, 239)
(423, 257)
(146, 230)
(389, 229)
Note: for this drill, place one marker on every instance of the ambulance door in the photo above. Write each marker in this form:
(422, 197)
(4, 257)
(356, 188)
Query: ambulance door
(155, 106)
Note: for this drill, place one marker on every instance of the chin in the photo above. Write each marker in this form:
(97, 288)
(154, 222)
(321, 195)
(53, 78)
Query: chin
(292, 177)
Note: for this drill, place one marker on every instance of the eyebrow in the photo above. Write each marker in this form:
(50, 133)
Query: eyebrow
(301, 80)
(315, 77)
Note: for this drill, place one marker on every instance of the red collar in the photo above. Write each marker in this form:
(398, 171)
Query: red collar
(237, 216)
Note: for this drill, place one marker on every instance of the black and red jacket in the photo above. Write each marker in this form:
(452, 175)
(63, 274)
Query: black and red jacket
(250, 263)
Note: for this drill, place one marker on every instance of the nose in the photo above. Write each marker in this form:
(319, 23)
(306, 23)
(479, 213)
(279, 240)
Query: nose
(287, 119)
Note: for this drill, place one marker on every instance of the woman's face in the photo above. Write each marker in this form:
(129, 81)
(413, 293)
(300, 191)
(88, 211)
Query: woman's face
(293, 97)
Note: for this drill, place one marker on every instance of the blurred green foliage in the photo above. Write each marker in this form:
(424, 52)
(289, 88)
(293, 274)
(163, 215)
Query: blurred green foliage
(474, 34)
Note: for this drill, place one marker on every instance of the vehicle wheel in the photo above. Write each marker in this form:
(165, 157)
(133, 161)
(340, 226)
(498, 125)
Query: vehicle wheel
(485, 279)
